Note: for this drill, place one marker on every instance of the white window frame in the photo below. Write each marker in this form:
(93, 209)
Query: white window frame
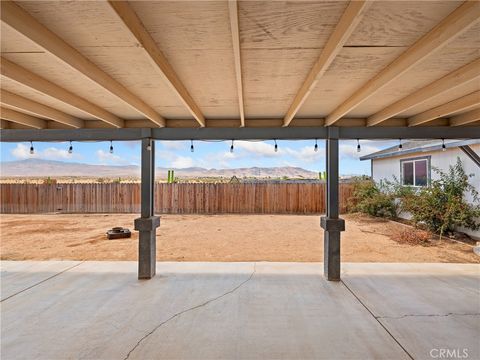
(413, 161)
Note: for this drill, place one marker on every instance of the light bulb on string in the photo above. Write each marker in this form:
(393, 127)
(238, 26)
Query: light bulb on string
(70, 148)
(400, 146)
(32, 150)
(111, 147)
(315, 148)
(444, 148)
(231, 147)
(359, 148)
(276, 146)
(192, 149)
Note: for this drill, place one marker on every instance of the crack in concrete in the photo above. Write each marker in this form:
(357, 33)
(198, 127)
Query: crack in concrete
(427, 315)
(139, 342)
(377, 319)
(42, 281)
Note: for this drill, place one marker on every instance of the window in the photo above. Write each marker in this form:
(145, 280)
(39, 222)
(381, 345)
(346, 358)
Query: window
(415, 172)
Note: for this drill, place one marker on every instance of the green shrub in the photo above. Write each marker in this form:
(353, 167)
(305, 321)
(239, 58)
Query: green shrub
(373, 199)
(442, 206)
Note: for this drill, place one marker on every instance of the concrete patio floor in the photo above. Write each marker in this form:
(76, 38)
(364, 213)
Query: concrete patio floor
(99, 310)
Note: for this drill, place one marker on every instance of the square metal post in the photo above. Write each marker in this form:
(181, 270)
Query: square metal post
(148, 222)
(331, 223)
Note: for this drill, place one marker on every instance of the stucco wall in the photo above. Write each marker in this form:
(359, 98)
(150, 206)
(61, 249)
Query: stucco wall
(389, 168)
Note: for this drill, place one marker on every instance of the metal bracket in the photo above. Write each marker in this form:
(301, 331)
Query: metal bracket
(332, 224)
(147, 224)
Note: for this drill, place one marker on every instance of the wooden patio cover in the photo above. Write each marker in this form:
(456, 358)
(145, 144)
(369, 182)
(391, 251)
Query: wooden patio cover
(188, 64)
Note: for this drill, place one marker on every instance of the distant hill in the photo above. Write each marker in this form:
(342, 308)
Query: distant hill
(44, 168)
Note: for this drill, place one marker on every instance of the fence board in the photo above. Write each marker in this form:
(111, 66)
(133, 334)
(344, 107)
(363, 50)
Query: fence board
(195, 198)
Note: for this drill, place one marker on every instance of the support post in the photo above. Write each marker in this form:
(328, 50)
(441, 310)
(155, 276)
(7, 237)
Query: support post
(331, 223)
(147, 223)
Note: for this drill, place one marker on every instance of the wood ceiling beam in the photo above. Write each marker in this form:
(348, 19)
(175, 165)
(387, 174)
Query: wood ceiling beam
(450, 81)
(463, 103)
(465, 16)
(17, 101)
(35, 82)
(21, 118)
(233, 13)
(4, 124)
(347, 23)
(137, 29)
(20, 20)
(466, 118)
(261, 123)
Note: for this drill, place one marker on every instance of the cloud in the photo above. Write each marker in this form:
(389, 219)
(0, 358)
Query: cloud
(22, 152)
(181, 162)
(168, 158)
(348, 148)
(105, 157)
(222, 159)
(266, 150)
(247, 153)
(258, 148)
(209, 160)
(307, 154)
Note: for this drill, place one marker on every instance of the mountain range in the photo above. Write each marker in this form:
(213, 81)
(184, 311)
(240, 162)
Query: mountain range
(32, 168)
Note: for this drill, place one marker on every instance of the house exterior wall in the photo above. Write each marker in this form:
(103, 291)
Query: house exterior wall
(389, 168)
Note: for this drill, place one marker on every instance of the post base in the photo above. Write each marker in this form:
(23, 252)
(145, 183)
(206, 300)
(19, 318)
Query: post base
(331, 246)
(147, 246)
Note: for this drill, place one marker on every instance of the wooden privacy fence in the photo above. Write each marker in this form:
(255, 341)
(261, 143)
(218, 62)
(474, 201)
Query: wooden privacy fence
(195, 198)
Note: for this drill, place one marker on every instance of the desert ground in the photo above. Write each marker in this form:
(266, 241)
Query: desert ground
(216, 238)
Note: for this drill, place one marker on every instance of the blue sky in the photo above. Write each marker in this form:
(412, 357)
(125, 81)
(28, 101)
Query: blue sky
(177, 154)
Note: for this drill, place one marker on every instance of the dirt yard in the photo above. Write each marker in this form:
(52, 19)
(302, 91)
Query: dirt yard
(215, 238)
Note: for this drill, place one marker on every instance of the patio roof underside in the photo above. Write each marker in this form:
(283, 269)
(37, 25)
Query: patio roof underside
(247, 63)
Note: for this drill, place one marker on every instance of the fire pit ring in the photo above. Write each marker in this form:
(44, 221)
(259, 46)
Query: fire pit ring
(118, 232)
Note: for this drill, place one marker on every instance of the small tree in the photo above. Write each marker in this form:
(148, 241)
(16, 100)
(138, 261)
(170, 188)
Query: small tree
(442, 206)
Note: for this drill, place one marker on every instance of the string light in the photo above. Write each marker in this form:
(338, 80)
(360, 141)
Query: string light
(444, 148)
(149, 146)
(192, 149)
(400, 146)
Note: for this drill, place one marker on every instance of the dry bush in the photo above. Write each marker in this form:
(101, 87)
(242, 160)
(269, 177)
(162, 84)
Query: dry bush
(413, 237)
